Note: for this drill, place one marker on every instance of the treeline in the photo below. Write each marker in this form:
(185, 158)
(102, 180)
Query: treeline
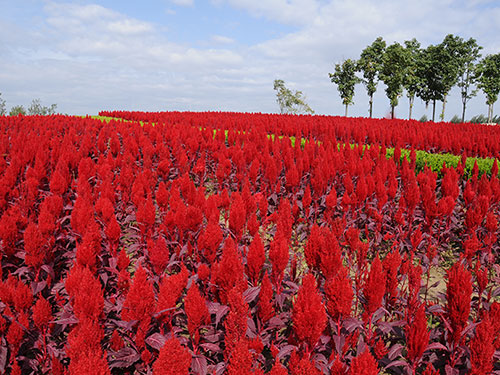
(35, 108)
(426, 73)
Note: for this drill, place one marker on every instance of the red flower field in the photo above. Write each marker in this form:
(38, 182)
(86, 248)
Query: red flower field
(211, 243)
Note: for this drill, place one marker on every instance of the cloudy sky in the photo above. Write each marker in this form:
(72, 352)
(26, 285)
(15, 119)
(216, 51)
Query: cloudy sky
(199, 55)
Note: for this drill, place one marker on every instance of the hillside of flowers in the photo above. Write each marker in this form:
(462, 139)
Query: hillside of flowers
(169, 247)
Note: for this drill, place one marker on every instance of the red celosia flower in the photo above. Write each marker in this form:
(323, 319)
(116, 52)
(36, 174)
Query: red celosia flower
(171, 288)
(458, 295)
(240, 361)
(301, 366)
(89, 363)
(203, 272)
(309, 315)
(364, 364)
(228, 272)
(265, 305)
(279, 256)
(158, 255)
(255, 259)
(237, 214)
(146, 214)
(210, 239)
(417, 335)
(482, 348)
(139, 304)
(173, 359)
(162, 196)
(236, 321)
(339, 295)
(374, 289)
(196, 311)
(391, 264)
(86, 292)
(57, 367)
(113, 230)
(42, 313)
(278, 369)
(116, 342)
(33, 245)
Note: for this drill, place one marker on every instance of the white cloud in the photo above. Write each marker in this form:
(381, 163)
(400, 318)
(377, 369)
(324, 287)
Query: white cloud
(183, 3)
(221, 39)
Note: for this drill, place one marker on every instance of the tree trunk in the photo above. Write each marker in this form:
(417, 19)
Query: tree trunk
(412, 99)
(371, 105)
(392, 111)
(490, 112)
(433, 110)
(346, 109)
(463, 111)
(444, 105)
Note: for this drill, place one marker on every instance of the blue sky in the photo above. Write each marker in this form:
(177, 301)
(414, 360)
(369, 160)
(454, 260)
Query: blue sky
(197, 55)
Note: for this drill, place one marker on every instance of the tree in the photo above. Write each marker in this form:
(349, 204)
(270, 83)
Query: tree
(17, 110)
(345, 78)
(412, 81)
(429, 73)
(488, 80)
(369, 64)
(36, 108)
(3, 109)
(452, 52)
(288, 101)
(469, 54)
(393, 72)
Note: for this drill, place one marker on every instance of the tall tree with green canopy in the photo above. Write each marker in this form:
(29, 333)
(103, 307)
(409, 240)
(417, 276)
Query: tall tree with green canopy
(469, 54)
(288, 101)
(450, 61)
(488, 80)
(392, 73)
(429, 72)
(345, 78)
(369, 64)
(412, 81)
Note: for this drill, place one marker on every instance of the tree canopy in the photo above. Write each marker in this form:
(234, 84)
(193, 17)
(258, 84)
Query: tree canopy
(345, 78)
(289, 101)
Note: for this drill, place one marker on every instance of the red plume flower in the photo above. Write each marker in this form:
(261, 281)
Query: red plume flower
(42, 313)
(171, 288)
(364, 364)
(374, 288)
(173, 359)
(458, 293)
(339, 294)
(196, 311)
(309, 315)
(236, 321)
(255, 259)
(482, 348)
(265, 305)
(417, 336)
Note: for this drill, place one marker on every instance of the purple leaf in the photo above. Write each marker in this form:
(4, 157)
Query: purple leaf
(286, 350)
(199, 365)
(211, 347)
(156, 341)
(394, 351)
(436, 346)
(251, 294)
(3, 358)
(123, 358)
(396, 363)
(217, 309)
